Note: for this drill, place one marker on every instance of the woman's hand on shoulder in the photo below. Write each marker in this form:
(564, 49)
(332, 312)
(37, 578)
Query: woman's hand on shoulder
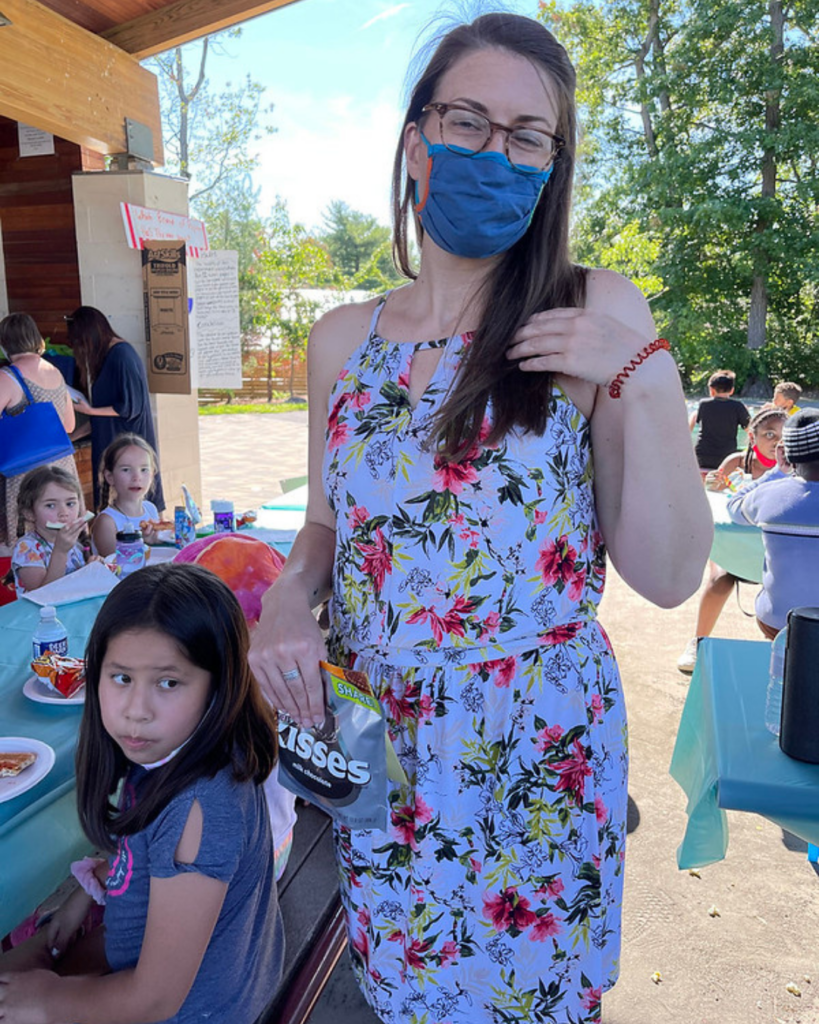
(592, 343)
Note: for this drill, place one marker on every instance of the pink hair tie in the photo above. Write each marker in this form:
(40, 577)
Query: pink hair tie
(616, 386)
(85, 872)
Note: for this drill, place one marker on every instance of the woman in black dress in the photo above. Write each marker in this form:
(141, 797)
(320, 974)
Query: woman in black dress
(116, 381)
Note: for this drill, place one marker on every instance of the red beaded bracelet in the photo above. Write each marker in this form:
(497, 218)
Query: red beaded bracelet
(616, 386)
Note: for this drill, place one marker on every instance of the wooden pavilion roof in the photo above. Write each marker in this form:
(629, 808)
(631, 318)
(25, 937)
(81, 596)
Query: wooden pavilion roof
(71, 67)
(145, 27)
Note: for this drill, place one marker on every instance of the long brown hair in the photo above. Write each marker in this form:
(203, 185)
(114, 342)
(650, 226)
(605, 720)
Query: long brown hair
(90, 336)
(535, 274)
(199, 612)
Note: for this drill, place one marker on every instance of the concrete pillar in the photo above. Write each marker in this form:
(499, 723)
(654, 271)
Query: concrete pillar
(111, 280)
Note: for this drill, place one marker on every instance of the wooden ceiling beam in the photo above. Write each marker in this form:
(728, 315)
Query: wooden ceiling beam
(64, 80)
(182, 21)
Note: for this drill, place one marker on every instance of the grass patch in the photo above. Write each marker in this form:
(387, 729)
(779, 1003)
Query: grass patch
(229, 410)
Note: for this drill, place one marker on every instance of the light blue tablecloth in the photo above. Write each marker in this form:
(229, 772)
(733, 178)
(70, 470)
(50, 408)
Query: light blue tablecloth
(737, 549)
(725, 758)
(39, 830)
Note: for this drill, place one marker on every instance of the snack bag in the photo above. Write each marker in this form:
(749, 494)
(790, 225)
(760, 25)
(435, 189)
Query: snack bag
(342, 765)
(64, 675)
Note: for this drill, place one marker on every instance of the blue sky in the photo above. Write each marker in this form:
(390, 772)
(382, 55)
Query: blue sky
(335, 71)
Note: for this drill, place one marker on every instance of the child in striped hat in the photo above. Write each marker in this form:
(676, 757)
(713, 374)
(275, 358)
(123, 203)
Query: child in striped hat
(786, 508)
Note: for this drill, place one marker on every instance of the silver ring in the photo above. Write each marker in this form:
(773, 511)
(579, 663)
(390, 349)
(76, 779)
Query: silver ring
(292, 674)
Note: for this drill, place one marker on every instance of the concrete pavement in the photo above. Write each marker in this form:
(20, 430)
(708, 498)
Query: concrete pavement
(730, 969)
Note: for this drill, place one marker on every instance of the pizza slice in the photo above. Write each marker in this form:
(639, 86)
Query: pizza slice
(12, 764)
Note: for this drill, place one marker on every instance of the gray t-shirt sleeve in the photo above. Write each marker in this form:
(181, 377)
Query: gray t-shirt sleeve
(223, 834)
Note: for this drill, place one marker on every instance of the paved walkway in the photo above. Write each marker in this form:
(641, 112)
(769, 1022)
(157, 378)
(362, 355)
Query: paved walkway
(731, 969)
(246, 456)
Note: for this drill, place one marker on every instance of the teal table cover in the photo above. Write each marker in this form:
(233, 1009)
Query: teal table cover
(39, 830)
(725, 758)
(737, 549)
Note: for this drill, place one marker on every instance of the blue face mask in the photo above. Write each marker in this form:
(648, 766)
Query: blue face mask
(476, 206)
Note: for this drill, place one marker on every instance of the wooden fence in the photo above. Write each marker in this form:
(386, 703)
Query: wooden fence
(254, 389)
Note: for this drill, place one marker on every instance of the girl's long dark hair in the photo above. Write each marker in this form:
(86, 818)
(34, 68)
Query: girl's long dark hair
(199, 612)
(534, 275)
(90, 335)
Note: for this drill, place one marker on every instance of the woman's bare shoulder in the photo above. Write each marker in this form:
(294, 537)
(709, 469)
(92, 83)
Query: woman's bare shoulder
(338, 332)
(47, 375)
(611, 293)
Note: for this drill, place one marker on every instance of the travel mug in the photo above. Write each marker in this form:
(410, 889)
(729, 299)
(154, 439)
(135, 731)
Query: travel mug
(799, 735)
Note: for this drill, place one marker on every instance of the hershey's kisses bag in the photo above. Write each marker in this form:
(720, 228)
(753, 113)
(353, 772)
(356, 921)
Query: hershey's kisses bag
(342, 765)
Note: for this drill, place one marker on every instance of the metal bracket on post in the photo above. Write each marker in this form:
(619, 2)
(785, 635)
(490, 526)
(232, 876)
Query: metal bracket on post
(139, 140)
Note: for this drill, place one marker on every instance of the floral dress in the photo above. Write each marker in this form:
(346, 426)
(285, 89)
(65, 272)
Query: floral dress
(34, 551)
(468, 593)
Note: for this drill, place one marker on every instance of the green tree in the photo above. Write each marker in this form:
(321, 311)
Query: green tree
(289, 264)
(207, 134)
(360, 247)
(701, 133)
(233, 222)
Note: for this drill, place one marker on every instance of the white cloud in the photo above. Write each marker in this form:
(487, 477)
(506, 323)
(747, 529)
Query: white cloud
(390, 12)
(338, 148)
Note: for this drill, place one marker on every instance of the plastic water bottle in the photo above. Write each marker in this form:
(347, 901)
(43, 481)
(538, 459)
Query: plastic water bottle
(773, 698)
(50, 634)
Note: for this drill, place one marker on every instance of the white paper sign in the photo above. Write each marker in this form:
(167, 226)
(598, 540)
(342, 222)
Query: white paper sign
(216, 318)
(34, 141)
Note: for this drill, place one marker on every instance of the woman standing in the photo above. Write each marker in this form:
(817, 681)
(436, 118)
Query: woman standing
(23, 345)
(457, 518)
(117, 384)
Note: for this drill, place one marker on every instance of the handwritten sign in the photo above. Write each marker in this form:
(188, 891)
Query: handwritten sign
(34, 141)
(216, 316)
(143, 224)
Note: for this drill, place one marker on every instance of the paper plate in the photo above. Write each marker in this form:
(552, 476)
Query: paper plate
(35, 689)
(10, 788)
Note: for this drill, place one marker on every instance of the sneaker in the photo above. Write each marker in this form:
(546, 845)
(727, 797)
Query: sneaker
(688, 659)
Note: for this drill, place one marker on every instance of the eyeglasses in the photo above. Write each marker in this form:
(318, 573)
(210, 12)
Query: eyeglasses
(467, 132)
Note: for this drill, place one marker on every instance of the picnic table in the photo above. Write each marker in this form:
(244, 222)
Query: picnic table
(39, 830)
(725, 758)
(737, 549)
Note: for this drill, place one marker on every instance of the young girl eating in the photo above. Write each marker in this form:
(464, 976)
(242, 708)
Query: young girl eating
(127, 471)
(51, 506)
(175, 724)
